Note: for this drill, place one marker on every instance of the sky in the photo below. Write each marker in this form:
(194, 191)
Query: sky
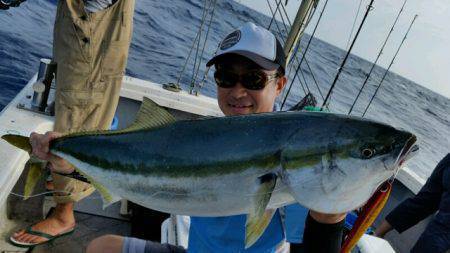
(425, 55)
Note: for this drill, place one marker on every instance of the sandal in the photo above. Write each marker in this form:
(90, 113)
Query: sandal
(30, 231)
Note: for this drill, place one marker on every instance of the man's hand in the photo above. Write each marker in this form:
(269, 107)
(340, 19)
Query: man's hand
(40, 144)
(383, 229)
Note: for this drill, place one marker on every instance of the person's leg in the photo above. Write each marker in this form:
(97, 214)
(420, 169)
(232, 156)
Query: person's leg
(60, 221)
(86, 96)
(106, 244)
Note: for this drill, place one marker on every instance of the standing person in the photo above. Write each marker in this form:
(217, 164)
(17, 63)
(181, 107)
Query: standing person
(433, 197)
(249, 75)
(90, 49)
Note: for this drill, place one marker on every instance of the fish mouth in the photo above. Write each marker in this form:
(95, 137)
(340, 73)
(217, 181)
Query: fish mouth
(409, 150)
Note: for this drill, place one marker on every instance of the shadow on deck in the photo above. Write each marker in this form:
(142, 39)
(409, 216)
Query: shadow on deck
(91, 221)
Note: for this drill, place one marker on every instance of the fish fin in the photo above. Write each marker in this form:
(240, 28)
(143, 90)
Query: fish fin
(256, 225)
(259, 218)
(333, 175)
(150, 115)
(19, 141)
(107, 197)
(33, 176)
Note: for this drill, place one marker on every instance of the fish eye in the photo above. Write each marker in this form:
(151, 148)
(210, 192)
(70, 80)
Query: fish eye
(367, 153)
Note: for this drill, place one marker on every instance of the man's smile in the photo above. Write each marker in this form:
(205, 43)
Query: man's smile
(240, 105)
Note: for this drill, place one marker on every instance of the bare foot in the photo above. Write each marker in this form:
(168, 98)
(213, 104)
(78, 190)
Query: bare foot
(61, 221)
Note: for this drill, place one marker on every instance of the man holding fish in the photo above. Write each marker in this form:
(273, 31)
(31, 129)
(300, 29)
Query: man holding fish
(251, 164)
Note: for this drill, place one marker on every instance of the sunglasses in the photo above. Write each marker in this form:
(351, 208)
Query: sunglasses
(251, 80)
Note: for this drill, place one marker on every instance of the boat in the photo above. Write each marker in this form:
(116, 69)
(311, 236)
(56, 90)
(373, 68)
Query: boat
(24, 114)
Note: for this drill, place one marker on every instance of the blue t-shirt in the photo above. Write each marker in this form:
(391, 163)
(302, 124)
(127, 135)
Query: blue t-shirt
(227, 234)
(295, 222)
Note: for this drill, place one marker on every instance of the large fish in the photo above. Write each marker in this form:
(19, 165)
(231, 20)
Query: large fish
(238, 165)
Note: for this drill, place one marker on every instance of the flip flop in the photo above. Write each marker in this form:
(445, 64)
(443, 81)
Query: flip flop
(41, 234)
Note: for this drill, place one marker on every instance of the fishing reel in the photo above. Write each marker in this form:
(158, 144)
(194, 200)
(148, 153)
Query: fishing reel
(5, 4)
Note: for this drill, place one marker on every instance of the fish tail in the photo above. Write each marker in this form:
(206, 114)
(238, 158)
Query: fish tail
(19, 141)
(35, 168)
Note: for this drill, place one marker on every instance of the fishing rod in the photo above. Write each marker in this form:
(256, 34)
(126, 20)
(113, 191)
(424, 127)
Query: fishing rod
(282, 39)
(197, 37)
(376, 60)
(294, 55)
(390, 65)
(303, 55)
(273, 16)
(369, 8)
(353, 25)
(205, 14)
(213, 5)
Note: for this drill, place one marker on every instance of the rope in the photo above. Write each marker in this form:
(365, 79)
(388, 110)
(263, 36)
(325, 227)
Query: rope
(314, 78)
(198, 42)
(304, 53)
(283, 40)
(201, 84)
(197, 37)
(305, 83)
(273, 13)
(213, 8)
(294, 55)
(187, 59)
(39, 194)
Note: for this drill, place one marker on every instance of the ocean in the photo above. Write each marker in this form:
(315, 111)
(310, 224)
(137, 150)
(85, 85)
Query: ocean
(164, 32)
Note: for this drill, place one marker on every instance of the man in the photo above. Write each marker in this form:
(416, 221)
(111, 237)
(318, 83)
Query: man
(90, 49)
(434, 196)
(249, 74)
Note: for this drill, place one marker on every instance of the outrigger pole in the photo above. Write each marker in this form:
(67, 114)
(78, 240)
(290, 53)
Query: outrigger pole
(390, 65)
(298, 27)
(304, 52)
(369, 8)
(376, 60)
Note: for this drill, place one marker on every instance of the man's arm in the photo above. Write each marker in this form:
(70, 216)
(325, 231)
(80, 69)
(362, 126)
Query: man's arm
(413, 210)
(323, 232)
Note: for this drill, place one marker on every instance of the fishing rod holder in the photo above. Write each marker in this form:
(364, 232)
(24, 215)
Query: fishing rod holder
(43, 98)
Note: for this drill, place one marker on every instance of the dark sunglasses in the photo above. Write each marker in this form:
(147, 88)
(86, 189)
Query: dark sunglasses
(251, 80)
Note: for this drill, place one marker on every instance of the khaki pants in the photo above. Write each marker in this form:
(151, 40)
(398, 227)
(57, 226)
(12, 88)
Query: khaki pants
(90, 51)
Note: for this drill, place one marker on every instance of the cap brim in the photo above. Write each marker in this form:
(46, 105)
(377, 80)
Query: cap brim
(261, 61)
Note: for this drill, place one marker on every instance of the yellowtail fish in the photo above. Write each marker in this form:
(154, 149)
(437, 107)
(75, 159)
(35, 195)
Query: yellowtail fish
(248, 164)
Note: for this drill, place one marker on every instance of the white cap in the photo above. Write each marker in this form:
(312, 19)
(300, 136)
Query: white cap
(255, 43)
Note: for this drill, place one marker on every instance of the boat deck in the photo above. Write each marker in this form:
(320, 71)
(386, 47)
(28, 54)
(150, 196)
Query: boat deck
(88, 227)
(92, 221)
